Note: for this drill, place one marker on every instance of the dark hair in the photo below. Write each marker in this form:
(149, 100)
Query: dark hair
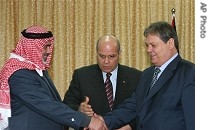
(164, 31)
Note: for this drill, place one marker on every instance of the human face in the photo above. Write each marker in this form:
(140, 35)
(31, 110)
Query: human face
(159, 52)
(46, 51)
(108, 55)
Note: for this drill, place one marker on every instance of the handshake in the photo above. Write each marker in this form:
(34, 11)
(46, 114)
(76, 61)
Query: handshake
(97, 123)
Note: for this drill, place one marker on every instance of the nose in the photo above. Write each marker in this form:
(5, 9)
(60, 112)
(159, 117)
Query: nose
(48, 49)
(106, 59)
(149, 48)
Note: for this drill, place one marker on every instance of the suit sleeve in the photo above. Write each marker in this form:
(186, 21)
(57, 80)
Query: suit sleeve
(115, 119)
(29, 89)
(188, 100)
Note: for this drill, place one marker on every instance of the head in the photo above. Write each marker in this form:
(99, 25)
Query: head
(161, 41)
(108, 53)
(36, 45)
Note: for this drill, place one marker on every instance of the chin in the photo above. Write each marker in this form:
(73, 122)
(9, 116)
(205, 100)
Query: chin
(44, 62)
(106, 70)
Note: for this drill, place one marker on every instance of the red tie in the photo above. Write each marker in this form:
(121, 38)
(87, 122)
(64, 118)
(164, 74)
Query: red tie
(109, 90)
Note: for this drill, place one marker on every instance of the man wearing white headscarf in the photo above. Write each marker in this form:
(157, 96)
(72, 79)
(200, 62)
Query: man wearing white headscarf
(28, 97)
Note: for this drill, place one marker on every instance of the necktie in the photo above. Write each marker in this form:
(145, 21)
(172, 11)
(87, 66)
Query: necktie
(154, 77)
(109, 90)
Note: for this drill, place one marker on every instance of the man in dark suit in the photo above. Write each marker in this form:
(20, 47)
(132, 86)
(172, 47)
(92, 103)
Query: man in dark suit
(168, 103)
(87, 91)
(29, 99)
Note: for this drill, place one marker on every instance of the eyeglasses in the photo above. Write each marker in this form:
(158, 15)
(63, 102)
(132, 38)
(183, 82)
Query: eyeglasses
(110, 57)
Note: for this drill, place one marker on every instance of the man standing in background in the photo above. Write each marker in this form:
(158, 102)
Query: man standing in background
(87, 91)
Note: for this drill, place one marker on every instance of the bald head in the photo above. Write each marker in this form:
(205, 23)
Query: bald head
(108, 39)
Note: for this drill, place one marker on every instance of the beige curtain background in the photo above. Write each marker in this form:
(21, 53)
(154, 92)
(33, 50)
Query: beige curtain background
(77, 24)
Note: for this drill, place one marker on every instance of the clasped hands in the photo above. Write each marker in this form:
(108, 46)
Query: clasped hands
(97, 122)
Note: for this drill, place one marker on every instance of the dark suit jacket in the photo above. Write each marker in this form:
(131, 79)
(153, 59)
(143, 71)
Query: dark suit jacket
(170, 105)
(36, 104)
(88, 81)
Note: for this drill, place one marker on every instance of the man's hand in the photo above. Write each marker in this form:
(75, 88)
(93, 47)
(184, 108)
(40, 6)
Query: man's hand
(85, 107)
(97, 123)
(98, 116)
(126, 127)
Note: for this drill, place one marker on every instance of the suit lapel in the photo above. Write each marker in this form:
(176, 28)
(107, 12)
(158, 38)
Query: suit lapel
(165, 76)
(97, 77)
(97, 82)
(160, 82)
(50, 85)
(122, 80)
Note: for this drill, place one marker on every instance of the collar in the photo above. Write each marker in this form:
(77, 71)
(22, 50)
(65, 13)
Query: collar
(162, 67)
(114, 74)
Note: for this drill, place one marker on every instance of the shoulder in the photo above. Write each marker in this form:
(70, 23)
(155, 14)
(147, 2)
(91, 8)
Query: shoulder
(23, 77)
(181, 65)
(24, 73)
(148, 70)
(186, 67)
(186, 63)
(128, 69)
(87, 69)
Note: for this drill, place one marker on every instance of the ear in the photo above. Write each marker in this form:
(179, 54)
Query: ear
(171, 43)
(119, 51)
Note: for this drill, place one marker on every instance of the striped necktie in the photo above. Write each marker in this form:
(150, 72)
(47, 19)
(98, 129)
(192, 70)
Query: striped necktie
(109, 90)
(154, 77)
